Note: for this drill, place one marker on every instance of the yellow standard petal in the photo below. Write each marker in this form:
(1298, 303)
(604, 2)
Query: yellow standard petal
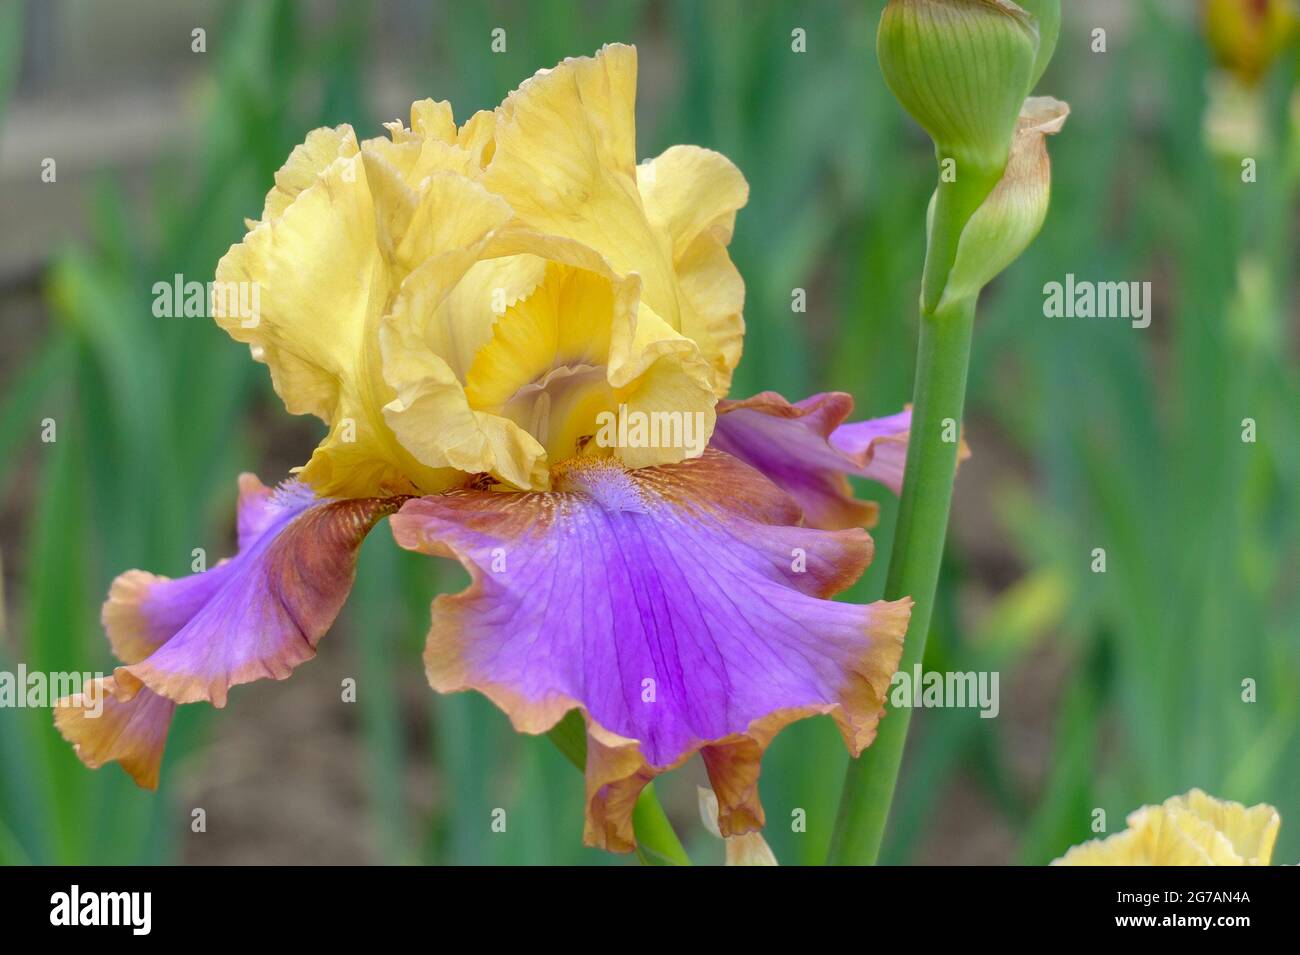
(305, 164)
(511, 380)
(692, 196)
(481, 300)
(563, 155)
(323, 273)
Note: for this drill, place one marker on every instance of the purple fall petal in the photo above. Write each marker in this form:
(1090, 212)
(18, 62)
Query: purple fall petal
(258, 614)
(682, 608)
(807, 450)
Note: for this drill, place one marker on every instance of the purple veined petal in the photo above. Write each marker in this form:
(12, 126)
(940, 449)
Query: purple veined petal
(144, 610)
(880, 443)
(257, 615)
(809, 451)
(681, 608)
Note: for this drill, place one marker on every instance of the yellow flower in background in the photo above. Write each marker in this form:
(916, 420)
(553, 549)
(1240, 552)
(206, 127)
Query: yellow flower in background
(463, 300)
(1246, 36)
(1194, 829)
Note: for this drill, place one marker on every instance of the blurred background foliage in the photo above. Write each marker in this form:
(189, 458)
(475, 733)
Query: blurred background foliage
(1117, 689)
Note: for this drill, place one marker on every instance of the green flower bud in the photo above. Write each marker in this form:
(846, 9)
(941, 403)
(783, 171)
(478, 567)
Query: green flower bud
(961, 68)
(1009, 219)
(1047, 13)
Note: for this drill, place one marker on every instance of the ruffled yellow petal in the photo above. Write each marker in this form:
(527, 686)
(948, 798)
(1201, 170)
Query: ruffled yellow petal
(313, 267)
(550, 178)
(466, 315)
(1194, 829)
(563, 156)
(430, 145)
(557, 341)
(464, 301)
(430, 412)
(514, 396)
(1252, 831)
(305, 164)
(431, 120)
(1158, 838)
(688, 191)
(692, 196)
(640, 341)
(477, 136)
(326, 271)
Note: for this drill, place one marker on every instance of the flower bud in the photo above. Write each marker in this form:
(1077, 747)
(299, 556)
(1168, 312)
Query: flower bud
(961, 68)
(1047, 13)
(1009, 219)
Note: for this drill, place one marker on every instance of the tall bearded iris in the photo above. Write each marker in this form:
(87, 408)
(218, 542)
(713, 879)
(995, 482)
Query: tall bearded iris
(468, 309)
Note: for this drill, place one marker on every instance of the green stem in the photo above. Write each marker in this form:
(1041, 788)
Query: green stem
(657, 842)
(954, 204)
(938, 397)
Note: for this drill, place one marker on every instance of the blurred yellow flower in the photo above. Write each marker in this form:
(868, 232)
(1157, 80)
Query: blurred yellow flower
(1194, 829)
(468, 300)
(1246, 36)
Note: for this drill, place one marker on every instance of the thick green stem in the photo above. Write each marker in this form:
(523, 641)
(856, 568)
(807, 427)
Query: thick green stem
(938, 396)
(657, 842)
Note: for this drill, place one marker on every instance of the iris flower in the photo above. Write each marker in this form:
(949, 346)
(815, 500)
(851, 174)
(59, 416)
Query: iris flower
(1192, 829)
(466, 308)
